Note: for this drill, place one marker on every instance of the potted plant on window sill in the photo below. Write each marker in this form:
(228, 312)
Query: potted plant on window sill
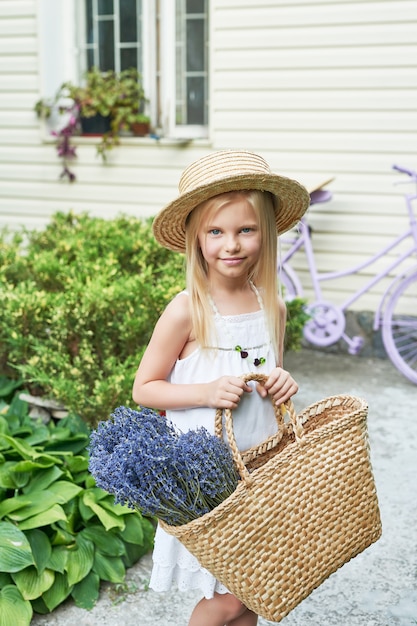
(115, 101)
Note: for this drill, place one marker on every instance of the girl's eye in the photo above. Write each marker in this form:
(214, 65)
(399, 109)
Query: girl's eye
(214, 231)
(247, 229)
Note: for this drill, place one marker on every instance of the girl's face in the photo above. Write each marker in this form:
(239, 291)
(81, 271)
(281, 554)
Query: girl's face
(230, 238)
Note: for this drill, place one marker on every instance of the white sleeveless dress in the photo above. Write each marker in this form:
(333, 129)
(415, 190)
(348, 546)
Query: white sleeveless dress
(254, 421)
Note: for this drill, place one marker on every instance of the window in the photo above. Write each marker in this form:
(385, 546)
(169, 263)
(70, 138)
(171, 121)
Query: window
(167, 41)
(111, 34)
(191, 62)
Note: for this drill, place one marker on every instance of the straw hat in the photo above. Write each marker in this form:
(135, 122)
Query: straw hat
(218, 173)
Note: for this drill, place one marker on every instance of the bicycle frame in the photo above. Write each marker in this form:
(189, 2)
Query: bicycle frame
(303, 239)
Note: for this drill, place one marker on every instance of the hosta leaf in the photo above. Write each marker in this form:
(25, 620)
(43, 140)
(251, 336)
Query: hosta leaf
(148, 532)
(31, 584)
(133, 552)
(39, 606)
(76, 425)
(35, 503)
(59, 591)
(45, 518)
(80, 560)
(90, 481)
(60, 433)
(62, 536)
(28, 465)
(15, 553)
(11, 504)
(86, 513)
(106, 542)
(133, 531)
(5, 579)
(39, 435)
(27, 452)
(23, 448)
(73, 444)
(7, 386)
(82, 478)
(98, 494)
(73, 515)
(118, 509)
(64, 490)
(4, 426)
(21, 430)
(18, 407)
(14, 610)
(77, 464)
(58, 559)
(42, 479)
(109, 568)
(86, 592)
(9, 479)
(41, 547)
(107, 518)
(13, 423)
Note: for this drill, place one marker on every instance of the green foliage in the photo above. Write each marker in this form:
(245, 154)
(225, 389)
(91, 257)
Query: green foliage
(60, 535)
(297, 316)
(118, 96)
(79, 303)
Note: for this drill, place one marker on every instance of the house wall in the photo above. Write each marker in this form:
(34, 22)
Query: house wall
(320, 89)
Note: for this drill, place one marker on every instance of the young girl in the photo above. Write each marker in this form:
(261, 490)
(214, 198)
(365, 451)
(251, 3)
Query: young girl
(228, 322)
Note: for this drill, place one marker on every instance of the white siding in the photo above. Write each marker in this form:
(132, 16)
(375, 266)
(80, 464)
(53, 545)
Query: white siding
(324, 89)
(320, 89)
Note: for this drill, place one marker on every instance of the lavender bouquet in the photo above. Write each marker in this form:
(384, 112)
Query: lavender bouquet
(146, 463)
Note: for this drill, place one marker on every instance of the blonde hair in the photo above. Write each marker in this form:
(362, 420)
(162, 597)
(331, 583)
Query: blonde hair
(263, 274)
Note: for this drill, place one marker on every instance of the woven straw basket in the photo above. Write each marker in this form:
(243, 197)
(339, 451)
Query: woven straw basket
(307, 506)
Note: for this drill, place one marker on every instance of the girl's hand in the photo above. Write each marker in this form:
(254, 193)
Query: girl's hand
(280, 385)
(225, 392)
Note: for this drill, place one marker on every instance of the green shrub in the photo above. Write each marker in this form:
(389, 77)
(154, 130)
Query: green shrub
(60, 535)
(79, 303)
(297, 316)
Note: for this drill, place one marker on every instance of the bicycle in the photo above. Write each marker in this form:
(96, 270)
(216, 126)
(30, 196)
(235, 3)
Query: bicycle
(396, 313)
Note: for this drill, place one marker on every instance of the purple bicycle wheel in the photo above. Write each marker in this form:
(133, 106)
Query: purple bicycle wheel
(399, 328)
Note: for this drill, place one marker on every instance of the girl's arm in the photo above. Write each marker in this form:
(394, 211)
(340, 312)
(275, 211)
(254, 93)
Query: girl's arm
(151, 387)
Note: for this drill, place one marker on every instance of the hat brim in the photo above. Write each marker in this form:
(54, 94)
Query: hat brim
(292, 202)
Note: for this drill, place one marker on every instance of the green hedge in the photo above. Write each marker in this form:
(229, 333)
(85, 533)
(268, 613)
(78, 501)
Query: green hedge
(79, 303)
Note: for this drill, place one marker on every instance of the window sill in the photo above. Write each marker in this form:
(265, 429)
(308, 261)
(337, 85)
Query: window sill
(125, 139)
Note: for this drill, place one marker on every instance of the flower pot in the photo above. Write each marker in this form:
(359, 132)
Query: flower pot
(95, 126)
(140, 129)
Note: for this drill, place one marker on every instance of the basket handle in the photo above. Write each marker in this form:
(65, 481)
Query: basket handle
(279, 411)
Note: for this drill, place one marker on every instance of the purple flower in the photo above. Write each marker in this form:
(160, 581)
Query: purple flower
(66, 173)
(65, 150)
(146, 463)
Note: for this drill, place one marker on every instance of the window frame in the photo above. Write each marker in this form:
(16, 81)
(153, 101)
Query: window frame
(58, 54)
(167, 77)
